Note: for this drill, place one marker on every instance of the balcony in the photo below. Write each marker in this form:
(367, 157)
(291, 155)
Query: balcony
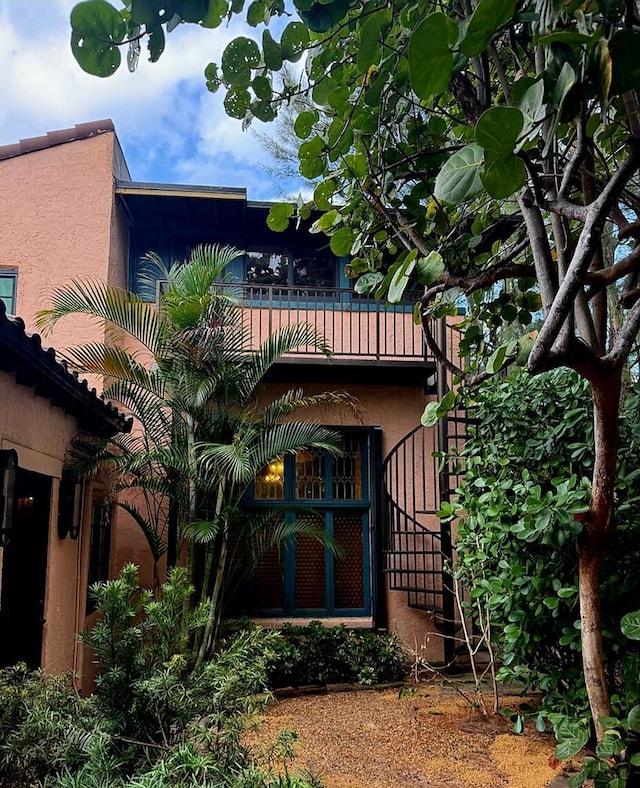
(371, 341)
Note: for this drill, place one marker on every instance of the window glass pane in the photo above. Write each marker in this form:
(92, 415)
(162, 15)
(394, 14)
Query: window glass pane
(314, 271)
(349, 570)
(8, 291)
(310, 481)
(310, 568)
(347, 479)
(269, 484)
(266, 268)
(100, 547)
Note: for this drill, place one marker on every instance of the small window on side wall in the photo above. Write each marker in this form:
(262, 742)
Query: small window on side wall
(8, 288)
(100, 548)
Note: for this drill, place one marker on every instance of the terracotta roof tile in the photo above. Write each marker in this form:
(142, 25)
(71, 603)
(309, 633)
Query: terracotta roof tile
(80, 131)
(36, 366)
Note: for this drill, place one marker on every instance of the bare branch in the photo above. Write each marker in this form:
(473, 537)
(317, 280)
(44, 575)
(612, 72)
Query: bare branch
(625, 339)
(568, 289)
(543, 262)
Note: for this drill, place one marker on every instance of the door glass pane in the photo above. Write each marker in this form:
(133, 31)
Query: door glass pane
(310, 568)
(269, 484)
(268, 582)
(310, 481)
(349, 571)
(347, 479)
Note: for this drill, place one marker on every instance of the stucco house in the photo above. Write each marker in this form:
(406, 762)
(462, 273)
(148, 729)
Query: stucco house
(50, 524)
(71, 210)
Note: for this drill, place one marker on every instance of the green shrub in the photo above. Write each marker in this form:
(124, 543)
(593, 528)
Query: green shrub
(316, 654)
(44, 726)
(525, 491)
(153, 721)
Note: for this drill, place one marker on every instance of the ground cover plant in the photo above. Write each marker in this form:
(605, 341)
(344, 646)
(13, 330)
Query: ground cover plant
(315, 654)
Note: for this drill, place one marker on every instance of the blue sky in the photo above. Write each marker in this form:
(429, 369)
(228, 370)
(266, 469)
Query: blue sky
(170, 127)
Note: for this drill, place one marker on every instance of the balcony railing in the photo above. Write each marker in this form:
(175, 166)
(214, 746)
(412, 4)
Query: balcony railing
(354, 327)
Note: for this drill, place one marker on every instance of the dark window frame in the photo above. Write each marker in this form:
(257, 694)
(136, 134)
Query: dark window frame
(10, 274)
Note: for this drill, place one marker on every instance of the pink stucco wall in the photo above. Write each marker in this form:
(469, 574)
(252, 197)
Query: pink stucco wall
(41, 433)
(60, 221)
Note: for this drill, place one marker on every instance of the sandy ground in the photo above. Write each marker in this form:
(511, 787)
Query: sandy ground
(377, 739)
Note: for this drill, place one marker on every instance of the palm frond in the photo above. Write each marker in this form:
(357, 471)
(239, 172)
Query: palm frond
(105, 302)
(294, 400)
(285, 340)
(291, 437)
(156, 543)
(276, 528)
(202, 531)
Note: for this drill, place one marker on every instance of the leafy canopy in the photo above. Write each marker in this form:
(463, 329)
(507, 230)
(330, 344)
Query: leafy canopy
(481, 149)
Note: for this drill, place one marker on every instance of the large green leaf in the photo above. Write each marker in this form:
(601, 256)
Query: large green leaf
(154, 12)
(272, 52)
(96, 30)
(237, 102)
(459, 179)
(279, 215)
(569, 747)
(240, 56)
(430, 268)
(633, 719)
(430, 55)
(304, 123)
(156, 43)
(400, 274)
(216, 13)
(311, 159)
(488, 17)
(630, 625)
(624, 48)
(498, 129)
(531, 104)
(370, 39)
(294, 41)
(319, 16)
(342, 241)
(503, 176)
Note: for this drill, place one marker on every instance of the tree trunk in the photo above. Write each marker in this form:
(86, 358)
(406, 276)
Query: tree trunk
(595, 538)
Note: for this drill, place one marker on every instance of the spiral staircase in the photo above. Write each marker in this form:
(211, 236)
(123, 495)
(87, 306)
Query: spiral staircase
(417, 476)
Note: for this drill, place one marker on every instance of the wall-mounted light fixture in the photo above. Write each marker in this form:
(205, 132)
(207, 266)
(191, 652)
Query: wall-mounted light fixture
(8, 469)
(70, 505)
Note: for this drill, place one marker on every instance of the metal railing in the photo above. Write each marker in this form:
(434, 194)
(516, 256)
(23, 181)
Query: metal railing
(353, 326)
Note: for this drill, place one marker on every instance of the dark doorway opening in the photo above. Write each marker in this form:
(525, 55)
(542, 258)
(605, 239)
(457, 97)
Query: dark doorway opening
(24, 572)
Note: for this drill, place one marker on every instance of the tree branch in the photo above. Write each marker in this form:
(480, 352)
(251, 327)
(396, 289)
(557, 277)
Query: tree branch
(568, 289)
(626, 337)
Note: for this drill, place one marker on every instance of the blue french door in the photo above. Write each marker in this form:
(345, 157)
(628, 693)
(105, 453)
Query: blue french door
(328, 494)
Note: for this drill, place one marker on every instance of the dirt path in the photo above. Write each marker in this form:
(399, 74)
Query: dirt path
(376, 739)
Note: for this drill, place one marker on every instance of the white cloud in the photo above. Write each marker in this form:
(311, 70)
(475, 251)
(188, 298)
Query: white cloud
(170, 127)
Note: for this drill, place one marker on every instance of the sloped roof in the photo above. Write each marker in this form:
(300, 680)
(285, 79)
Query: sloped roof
(80, 131)
(37, 367)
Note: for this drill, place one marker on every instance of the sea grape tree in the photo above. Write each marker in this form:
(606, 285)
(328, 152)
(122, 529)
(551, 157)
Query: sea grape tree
(487, 149)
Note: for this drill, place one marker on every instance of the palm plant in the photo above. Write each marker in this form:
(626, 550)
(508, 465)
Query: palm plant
(188, 374)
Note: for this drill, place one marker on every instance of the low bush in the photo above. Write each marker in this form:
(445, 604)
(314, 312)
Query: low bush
(153, 721)
(316, 654)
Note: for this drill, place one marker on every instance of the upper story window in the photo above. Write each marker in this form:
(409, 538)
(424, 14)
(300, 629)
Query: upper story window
(8, 288)
(286, 269)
